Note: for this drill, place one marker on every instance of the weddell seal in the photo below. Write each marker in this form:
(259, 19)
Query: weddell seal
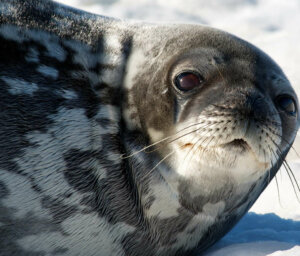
(122, 138)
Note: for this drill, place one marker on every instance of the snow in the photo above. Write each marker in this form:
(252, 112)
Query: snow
(272, 227)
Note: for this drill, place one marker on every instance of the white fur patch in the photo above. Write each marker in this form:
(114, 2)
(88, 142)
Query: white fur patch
(155, 135)
(214, 209)
(205, 154)
(8, 9)
(19, 86)
(247, 169)
(69, 94)
(206, 174)
(48, 71)
(135, 60)
(110, 59)
(112, 56)
(112, 77)
(112, 42)
(11, 32)
(166, 202)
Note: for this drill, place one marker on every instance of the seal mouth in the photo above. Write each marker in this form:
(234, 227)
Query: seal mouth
(238, 143)
(236, 147)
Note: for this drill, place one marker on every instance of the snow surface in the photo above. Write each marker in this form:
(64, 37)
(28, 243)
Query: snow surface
(272, 227)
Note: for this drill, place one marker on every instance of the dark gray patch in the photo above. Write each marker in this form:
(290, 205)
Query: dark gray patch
(59, 210)
(104, 122)
(149, 202)
(23, 113)
(192, 230)
(3, 190)
(110, 196)
(80, 178)
(13, 229)
(195, 204)
(140, 243)
(173, 225)
(59, 251)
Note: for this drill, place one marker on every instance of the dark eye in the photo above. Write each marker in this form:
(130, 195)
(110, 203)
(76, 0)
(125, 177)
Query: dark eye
(187, 81)
(287, 104)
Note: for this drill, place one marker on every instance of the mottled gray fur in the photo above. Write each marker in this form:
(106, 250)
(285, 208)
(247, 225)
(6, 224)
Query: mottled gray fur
(79, 92)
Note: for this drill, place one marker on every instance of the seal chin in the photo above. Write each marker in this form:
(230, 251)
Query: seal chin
(241, 146)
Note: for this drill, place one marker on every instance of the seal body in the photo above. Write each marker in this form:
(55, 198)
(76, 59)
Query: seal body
(131, 139)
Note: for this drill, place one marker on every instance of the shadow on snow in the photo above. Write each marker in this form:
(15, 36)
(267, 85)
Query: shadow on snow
(266, 232)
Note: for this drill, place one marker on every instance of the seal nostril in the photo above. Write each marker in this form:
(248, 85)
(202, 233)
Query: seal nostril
(287, 104)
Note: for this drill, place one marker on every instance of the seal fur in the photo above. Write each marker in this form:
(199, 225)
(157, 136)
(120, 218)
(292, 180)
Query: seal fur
(81, 97)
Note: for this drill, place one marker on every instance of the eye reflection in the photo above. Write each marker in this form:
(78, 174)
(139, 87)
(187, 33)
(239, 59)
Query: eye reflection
(187, 81)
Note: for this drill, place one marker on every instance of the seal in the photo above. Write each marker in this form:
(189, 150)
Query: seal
(121, 138)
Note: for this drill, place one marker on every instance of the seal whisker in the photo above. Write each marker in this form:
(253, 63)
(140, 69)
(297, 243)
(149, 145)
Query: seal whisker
(290, 174)
(272, 164)
(163, 140)
(161, 161)
(278, 192)
(272, 122)
(181, 136)
(191, 150)
(280, 136)
(292, 178)
(213, 62)
(144, 148)
(193, 145)
(198, 142)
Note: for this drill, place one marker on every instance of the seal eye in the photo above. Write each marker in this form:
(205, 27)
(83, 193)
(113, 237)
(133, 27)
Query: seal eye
(287, 104)
(187, 81)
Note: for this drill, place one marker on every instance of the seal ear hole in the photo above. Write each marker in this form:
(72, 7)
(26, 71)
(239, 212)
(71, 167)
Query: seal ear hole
(287, 104)
(188, 80)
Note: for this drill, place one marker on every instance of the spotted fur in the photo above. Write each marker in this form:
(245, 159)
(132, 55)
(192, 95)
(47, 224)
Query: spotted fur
(82, 95)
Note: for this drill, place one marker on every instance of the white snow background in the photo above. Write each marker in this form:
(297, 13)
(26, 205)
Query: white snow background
(272, 227)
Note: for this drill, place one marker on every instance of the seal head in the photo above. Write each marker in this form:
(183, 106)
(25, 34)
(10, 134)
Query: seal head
(219, 113)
